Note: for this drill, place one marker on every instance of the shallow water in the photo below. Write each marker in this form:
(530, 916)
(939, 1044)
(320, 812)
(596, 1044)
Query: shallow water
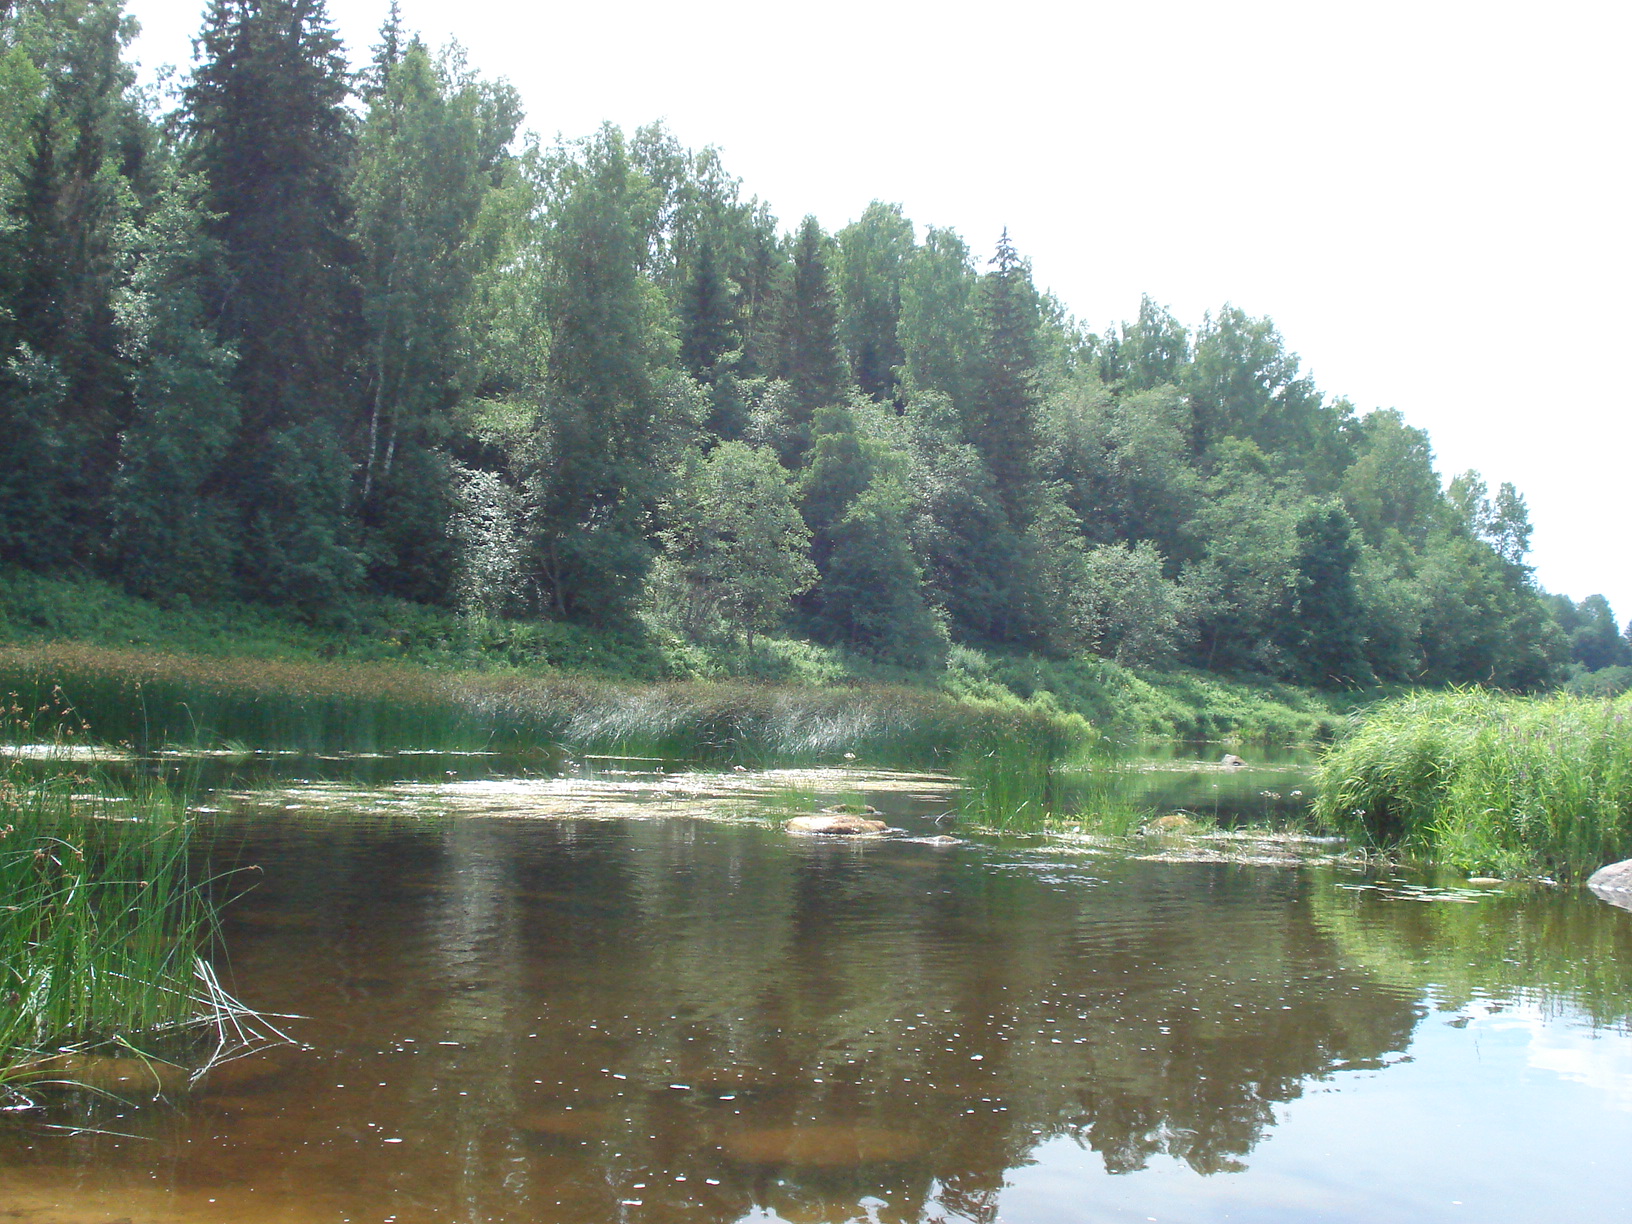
(625, 1012)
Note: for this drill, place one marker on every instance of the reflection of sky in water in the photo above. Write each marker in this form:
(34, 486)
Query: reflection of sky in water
(1483, 1121)
(1599, 1058)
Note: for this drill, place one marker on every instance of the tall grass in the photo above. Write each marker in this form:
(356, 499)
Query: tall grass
(1015, 786)
(102, 929)
(150, 699)
(1487, 783)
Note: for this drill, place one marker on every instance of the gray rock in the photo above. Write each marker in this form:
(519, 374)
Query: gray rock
(1230, 761)
(1613, 884)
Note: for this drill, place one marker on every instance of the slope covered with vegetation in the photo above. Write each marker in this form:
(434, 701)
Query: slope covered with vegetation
(330, 343)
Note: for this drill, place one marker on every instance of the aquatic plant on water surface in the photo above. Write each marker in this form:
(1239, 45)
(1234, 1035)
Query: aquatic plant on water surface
(103, 930)
(1488, 783)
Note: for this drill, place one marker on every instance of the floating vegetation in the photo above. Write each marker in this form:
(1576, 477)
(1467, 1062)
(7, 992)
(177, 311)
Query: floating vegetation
(1505, 786)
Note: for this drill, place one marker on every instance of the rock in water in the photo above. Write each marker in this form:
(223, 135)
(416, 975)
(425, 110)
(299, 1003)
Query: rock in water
(1614, 884)
(1230, 761)
(835, 822)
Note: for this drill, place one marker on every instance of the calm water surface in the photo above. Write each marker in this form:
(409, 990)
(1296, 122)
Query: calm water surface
(627, 1011)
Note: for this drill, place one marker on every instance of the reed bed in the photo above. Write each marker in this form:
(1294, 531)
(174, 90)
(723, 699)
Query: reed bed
(103, 931)
(1487, 783)
(150, 699)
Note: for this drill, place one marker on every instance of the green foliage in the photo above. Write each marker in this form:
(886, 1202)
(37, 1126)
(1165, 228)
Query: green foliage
(812, 357)
(1595, 637)
(873, 253)
(737, 537)
(1323, 631)
(271, 139)
(326, 340)
(173, 531)
(1130, 611)
(938, 330)
(1488, 783)
(103, 930)
(431, 151)
(1002, 421)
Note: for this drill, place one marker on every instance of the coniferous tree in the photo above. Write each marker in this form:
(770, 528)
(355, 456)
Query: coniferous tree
(812, 358)
(272, 139)
(708, 332)
(1002, 420)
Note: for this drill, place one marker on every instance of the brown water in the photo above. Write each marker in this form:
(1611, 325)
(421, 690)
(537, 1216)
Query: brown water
(649, 1010)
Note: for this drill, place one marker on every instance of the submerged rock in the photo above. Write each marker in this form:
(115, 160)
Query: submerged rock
(1613, 884)
(842, 823)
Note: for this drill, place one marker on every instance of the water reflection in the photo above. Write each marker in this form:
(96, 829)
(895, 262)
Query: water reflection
(673, 1020)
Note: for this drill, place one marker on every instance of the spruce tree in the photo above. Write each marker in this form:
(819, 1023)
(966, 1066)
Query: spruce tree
(812, 358)
(708, 332)
(599, 455)
(1002, 421)
(273, 140)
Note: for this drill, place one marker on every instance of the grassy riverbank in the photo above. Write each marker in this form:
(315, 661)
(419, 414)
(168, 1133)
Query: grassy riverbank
(426, 643)
(1487, 783)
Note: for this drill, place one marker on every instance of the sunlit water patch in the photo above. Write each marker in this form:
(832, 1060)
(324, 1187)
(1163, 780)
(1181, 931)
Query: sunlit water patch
(518, 1004)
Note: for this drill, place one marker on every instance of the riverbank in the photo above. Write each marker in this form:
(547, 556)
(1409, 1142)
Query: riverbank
(1120, 703)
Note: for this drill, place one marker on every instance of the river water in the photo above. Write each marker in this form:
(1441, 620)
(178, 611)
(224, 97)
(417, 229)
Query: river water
(624, 995)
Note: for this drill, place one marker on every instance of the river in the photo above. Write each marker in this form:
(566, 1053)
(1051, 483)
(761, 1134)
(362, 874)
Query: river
(625, 994)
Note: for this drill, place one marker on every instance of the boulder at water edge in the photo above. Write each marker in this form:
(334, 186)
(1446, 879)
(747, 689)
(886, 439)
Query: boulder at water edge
(1614, 884)
(842, 823)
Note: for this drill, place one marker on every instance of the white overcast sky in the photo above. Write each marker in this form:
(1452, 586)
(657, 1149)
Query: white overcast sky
(1429, 198)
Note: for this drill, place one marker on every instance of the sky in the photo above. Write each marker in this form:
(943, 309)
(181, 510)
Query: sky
(1430, 199)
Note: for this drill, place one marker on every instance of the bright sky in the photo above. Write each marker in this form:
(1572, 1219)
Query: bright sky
(1430, 198)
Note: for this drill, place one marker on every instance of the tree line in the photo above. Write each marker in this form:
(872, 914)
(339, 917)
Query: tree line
(303, 335)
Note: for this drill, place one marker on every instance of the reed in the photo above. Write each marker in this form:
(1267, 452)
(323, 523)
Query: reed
(1487, 783)
(103, 931)
(149, 699)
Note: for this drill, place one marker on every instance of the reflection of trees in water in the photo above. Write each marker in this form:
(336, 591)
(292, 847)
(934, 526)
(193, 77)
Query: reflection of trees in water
(1162, 1012)
(820, 1008)
(1536, 943)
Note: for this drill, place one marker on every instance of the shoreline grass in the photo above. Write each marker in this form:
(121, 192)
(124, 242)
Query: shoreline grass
(149, 699)
(104, 933)
(58, 611)
(1487, 783)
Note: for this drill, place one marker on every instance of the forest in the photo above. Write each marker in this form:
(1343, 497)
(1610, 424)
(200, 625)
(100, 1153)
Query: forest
(282, 332)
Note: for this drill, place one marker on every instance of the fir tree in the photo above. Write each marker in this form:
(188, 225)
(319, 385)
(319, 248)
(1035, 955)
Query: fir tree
(272, 139)
(1002, 421)
(812, 359)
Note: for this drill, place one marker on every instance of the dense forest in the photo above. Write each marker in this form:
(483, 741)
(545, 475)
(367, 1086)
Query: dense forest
(294, 334)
